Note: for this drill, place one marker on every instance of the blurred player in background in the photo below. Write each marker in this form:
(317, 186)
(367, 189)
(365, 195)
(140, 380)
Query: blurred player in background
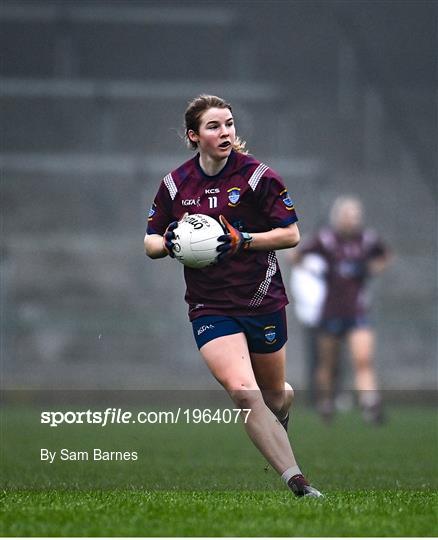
(352, 254)
(237, 306)
(309, 289)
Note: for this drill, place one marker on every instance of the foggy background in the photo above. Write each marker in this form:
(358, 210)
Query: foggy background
(337, 96)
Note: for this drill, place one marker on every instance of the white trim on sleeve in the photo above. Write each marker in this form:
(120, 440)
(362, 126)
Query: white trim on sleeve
(171, 186)
(256, 175)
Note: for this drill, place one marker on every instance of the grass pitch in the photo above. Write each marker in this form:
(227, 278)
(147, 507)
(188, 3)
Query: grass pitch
(208, 480)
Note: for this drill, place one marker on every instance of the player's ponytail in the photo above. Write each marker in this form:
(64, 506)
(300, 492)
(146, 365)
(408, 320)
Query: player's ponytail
(194, 112)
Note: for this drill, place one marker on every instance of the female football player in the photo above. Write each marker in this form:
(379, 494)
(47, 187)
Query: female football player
(352, 255)
(237, 306)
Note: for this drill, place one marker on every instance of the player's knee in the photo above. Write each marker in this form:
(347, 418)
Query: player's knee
(280, 400)
(275, 401)
(362, 362)
(244, 396)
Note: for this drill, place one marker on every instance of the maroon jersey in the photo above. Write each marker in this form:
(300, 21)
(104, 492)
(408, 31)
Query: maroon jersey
(252, 198)
(346, 274)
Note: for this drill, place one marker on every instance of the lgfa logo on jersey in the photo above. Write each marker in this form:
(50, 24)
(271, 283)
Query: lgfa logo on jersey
(233, 196)
(270, 334)
(191, 202)
(288, 202)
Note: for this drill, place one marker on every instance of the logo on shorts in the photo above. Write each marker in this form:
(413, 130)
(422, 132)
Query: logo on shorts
(233, 196)
(205, 327)
(288, 202)
(270, 335)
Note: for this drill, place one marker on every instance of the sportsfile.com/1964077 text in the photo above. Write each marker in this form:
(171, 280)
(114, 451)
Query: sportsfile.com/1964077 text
(113, 415)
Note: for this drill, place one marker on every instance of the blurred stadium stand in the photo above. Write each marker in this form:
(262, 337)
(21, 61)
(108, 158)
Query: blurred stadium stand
(337, 96)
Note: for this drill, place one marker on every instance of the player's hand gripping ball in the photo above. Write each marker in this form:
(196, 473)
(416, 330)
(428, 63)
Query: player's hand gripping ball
(169, 237)
(194, 240)
(232, 241)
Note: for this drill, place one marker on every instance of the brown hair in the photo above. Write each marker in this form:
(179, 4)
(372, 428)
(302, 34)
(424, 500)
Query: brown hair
(196, 109)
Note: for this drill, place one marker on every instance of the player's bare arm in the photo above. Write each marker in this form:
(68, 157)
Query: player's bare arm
(279, 238)
(379, 264)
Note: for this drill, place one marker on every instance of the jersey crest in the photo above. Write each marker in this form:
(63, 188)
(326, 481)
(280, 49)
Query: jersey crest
(288, 203)
(233, 196)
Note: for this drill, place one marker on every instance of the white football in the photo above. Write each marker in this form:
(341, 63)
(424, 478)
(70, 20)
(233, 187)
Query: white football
(196, 240)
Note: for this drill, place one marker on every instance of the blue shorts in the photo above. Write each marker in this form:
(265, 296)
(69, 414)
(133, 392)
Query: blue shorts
(339, 326)
(264, 333)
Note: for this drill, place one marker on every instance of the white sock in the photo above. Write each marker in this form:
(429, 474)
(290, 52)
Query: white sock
(288, 473)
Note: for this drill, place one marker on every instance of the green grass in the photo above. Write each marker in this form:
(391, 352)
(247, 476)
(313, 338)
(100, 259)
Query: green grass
(208, 480)
(230, 513)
